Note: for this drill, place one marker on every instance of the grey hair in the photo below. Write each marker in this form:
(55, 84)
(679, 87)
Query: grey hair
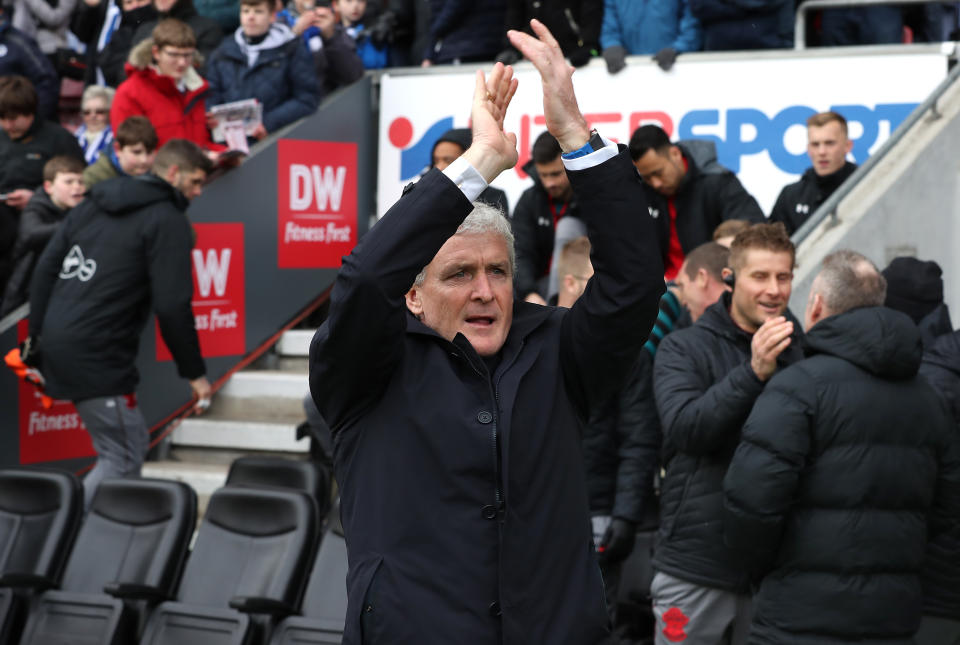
(484, 218)
(97, 92)
(849, 280)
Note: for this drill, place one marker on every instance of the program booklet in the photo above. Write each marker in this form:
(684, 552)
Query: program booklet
(249, 112)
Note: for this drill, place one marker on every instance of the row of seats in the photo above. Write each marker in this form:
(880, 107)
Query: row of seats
(259, 572)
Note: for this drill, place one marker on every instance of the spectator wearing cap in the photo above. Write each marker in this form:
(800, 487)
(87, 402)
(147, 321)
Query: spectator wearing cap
(574, 23)
(451, 145)
(666, 27)
(95, 134)
(915, 288)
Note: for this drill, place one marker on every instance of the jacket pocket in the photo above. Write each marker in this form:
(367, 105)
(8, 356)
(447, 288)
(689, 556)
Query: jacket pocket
(371, 611)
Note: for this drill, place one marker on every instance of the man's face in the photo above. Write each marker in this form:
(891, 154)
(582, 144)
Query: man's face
(663, 172)
(762, 288)
(16, 126)
(445, 153)
(696, 293)
(173, 61)
(255, 19)
(189, 183)
(130, 5)
(66, 190)
(136, 159)
(351, 10)
(468, 289)
(554, 179)
(828, 147)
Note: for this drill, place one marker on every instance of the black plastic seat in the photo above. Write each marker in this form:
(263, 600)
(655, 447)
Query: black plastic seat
(132, 546)
(40, 512)
(324, 606)
(307, 476)
(247, 569)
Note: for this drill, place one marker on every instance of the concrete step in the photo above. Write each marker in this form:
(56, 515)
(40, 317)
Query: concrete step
(261, 395)
(204, 478)
(295, 342)
(225, 434)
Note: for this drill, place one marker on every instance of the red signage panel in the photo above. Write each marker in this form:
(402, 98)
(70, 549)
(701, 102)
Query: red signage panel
(48, 434)
(218, 291)
(316, 203)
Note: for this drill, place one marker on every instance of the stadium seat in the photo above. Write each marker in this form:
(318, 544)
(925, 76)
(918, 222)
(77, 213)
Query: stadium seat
(128, 556)
(325, 601)
(40, 512)
(247, 569)
(287, 473)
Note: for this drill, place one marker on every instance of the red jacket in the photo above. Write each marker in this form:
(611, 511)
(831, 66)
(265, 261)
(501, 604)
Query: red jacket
(174, 114)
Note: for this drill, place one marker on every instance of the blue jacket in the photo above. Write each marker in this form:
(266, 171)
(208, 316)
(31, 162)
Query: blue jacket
(647, 26)
(744, 24)
(283, 79)
(19, 54)
(466, 29)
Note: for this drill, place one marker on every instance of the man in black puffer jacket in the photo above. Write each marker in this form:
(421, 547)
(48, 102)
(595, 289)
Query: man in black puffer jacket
(121, 253)
(706, 379)
(941, 572)
(848, 465)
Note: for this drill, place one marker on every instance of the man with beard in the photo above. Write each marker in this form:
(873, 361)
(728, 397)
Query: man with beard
(122, 252)
(706, 379)
(827, 146)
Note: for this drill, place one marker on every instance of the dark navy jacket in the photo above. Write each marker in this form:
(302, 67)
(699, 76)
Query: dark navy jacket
(745, 24)
(463, 494)
(466, 29)
(20, 55)
(283, 79)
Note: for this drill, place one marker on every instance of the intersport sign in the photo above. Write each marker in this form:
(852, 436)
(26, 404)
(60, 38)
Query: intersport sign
(754, 110)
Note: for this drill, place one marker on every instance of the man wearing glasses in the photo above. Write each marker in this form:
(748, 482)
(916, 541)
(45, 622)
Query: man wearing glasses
(163, 86)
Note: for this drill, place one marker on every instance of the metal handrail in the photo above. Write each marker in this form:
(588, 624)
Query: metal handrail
(829, 207)
(800, 27)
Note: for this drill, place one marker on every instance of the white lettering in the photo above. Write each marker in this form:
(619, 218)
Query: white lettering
(214, 271)
(300, 177)
(223, 320)
(337, 233)
(330, 188)
(40, 422)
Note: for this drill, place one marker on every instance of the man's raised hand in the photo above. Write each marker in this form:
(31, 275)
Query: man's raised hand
(492, 150)
(564, 120)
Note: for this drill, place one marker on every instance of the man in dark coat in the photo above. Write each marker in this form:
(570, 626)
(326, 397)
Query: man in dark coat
(915, 287)
(688, 192)
(744, 24)
(464, 31)
(848, 465)
(706, 379)
(574, 23)
(122, 252)
(264, 60)
(827, 146)
(454, 414)
(535, 218)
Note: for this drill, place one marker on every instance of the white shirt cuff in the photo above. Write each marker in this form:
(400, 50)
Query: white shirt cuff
(466, 177)
(595, 158)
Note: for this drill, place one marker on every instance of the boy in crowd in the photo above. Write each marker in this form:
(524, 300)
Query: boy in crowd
(131, 154)
(351, 12)
(163, 86)
(63, 189)
(264, 60)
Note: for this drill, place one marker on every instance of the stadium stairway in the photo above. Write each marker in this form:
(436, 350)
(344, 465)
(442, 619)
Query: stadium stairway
(255, 413)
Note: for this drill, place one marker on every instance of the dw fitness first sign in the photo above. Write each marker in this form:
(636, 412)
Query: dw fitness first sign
(317, 203)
